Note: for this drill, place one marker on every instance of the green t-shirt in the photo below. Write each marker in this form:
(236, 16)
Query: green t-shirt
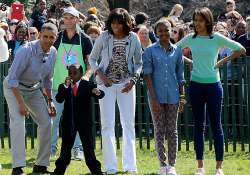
(205, 54)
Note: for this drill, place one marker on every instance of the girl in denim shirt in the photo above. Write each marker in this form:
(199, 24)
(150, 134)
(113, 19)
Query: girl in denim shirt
(164, 75)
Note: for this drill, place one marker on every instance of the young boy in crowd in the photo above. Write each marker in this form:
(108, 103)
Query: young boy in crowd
(76, 94)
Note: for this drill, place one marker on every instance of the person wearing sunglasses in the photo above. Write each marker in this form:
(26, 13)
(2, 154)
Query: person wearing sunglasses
(33, 33)
(177, 34)
(12, 26)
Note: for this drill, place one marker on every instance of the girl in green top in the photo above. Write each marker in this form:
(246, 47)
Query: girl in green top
(205, 86)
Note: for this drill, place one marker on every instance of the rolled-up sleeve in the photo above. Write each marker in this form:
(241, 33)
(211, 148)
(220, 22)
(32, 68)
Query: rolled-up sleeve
(180, 68)
(137, 57)
(147, 62)
(48, 82)
(95, 53)
(18, 66)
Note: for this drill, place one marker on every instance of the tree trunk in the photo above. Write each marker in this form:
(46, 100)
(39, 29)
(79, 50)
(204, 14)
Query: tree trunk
(118, 4)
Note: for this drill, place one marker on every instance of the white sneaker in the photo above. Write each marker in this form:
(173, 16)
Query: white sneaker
(200, 171)
(171, 170)
(112, 171)
(78, 155)
(163, 170)
(131, 172)
(53, 154)
(219, 172)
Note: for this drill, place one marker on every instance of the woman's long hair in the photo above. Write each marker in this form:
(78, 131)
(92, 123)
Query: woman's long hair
(122, 16)
(25, 27)
(175, 8)
(207, 15)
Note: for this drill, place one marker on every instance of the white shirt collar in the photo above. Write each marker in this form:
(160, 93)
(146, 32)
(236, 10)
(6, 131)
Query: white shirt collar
(78, 82)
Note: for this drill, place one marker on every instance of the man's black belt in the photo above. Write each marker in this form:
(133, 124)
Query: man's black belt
(30, 86)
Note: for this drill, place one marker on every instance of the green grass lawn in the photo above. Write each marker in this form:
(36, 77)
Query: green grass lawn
(235, 163)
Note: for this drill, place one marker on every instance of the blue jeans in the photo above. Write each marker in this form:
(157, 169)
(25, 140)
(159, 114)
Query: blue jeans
(55, 127)
(209, 95)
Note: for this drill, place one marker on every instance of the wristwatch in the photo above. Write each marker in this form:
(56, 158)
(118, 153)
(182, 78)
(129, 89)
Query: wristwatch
(50, 99)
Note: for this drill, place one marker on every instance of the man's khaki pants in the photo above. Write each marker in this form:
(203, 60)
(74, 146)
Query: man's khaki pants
(36, 104)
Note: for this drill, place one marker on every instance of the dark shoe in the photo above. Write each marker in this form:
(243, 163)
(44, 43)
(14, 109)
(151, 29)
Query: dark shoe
(40, 169)
(17, 171)
(98, 173)
(55, 174)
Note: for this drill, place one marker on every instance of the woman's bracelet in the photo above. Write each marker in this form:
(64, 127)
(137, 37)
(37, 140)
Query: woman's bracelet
(182, 100)
(182, 96)
(50, 99)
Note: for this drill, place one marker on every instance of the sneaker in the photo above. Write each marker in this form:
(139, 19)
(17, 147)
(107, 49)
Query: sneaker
(55, 174)
(200, 171)
(171, 170)
(78, 155)
(219, 172)
(112, 171)
(131, 172)
(53, 154)
(163, 170)
(98, 173)
(17, 171)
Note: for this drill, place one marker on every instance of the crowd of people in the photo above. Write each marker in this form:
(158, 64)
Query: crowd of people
(54, 53)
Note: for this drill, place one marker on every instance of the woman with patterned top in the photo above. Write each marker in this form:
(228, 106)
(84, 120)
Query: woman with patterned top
(119, 51)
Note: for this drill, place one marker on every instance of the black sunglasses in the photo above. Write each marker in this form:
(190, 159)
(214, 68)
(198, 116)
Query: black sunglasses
(13, 23)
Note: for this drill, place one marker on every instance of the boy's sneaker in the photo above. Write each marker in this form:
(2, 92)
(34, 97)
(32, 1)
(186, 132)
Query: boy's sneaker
(163, 170)
(53, 154)
(200, 171)
(78, 155)
(219, 172)
(171, 170)
(132, 172)
(112, 171)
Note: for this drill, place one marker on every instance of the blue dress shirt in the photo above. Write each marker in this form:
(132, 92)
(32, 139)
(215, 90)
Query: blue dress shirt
(166, 67)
